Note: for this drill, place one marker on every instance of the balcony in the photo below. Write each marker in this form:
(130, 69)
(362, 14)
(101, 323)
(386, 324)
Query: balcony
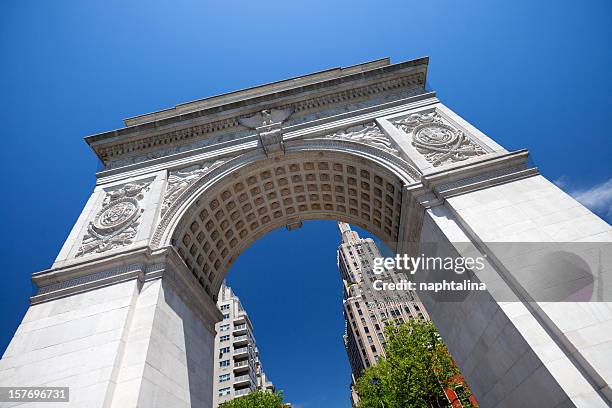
(240, 318)
(242, 380)
(241, 340)
(240, 329)
(241, 365)
(244, 391)
(241, 352)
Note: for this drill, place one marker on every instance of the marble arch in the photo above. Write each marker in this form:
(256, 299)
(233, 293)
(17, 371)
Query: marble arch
(228, 209)
(125, 315)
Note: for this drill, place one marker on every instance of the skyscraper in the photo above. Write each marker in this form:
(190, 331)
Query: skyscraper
(367, 311)
(238, 370)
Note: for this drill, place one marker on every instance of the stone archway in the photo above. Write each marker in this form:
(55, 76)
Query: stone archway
(126, 313)
(224, 212)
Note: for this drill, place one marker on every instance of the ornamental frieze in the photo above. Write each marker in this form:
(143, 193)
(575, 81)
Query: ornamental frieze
(116, 224)
(439, 142)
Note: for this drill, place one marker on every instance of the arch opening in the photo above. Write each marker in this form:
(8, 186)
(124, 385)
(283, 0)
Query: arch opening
(244, 204)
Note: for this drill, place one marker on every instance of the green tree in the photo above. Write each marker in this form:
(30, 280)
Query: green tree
(415, 372)
(258, 399)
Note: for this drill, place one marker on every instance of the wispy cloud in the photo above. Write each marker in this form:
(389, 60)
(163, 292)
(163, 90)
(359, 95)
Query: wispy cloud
(597, 198)
(562, 182)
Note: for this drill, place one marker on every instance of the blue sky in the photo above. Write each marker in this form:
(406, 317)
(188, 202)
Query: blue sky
(532, 74)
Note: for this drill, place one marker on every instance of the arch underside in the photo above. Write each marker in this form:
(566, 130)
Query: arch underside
(226, 217)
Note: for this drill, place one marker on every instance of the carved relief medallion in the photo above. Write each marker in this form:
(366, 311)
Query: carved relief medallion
(116, 223)
(116, 215)
(437, 141)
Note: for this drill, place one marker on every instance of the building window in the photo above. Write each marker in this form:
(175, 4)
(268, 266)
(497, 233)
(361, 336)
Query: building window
(224, 350)
(224, 377)
(224, 327)
(225, 316)
(373, 347)
(225, 307)
(225, 337)
(224, 363)
(224, 391)
(463, 396)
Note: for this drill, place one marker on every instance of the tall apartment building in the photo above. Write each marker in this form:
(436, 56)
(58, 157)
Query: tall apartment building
(367, 311)
(238, 370)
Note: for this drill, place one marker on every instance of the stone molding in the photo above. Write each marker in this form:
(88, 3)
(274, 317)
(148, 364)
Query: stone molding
(131, 269)
(445, 182)
(484, 180)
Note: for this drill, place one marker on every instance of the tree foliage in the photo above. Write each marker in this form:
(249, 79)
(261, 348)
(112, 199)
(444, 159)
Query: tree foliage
(415, 372)
(258, 399)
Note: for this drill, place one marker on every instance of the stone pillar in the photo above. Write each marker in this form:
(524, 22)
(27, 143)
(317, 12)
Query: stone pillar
(133, 331)
(476, 198)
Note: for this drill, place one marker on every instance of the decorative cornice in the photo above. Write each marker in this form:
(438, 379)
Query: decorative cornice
(132, 270)
(149, 136)
(261, 90)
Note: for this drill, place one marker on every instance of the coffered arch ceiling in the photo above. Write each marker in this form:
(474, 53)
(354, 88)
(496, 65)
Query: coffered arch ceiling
(228, 214)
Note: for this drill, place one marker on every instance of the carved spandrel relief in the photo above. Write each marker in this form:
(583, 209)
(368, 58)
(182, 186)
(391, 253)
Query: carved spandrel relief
(368, 133)
(116, 224)
(179, 180)
(439, 142)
